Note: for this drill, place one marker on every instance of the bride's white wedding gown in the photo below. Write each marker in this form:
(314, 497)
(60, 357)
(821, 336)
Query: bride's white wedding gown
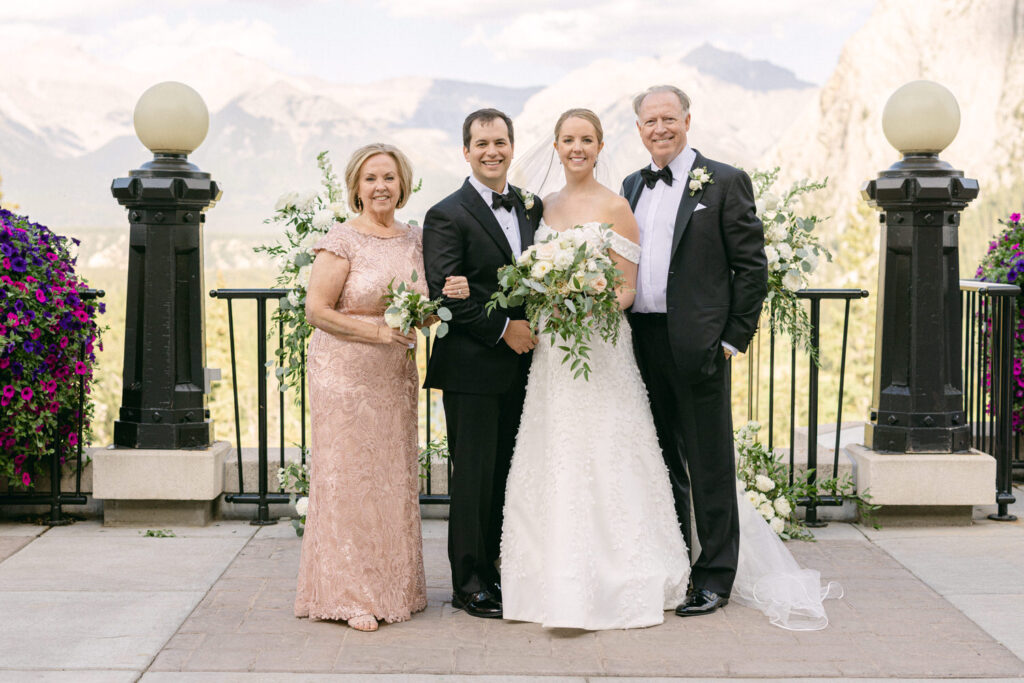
(590, 537)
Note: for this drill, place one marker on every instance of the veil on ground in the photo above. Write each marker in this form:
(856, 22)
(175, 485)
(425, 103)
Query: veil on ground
(540, 171)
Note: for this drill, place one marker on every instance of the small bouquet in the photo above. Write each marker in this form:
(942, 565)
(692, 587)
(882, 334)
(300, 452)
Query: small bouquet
(407, 308)
(567, 281)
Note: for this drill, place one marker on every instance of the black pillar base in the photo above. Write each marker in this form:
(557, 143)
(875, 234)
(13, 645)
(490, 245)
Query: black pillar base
(163, 436)
(885, 439)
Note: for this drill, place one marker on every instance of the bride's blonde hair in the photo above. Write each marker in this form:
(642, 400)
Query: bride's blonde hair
(580, 113)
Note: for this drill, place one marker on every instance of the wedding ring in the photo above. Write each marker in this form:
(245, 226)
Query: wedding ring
(411, 345)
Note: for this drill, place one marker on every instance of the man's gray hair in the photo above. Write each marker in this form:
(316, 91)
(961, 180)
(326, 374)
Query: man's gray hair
(684, 99)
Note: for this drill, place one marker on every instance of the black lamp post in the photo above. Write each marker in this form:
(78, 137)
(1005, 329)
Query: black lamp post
(917, 400)
(163, 404)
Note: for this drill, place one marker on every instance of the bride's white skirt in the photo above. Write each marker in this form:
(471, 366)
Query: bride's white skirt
(590, 537)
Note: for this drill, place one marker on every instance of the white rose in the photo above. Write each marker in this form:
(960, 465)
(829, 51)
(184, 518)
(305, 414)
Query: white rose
(771, 201)
(599, 283)
(763, 483)
(293, 298)
(547, 251)
(591, 265)
(766, 510)
(695, 185)
(785, 251)
(540, 269)
(761, 498)
(783, 507)
(792, 280)
(339, 209)
(286, 201)
(777, 525)
(301, 506)
(772, 254)
(305, 202)
(393, 318)
(323, 219)
(752, 497)
(759, 207)
(775, 266)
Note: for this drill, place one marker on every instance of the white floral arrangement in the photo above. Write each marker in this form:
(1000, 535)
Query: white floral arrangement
(793, 251)
(765, 484)
(567, 285)
(302, 218)
(294, 477)
(699, 177)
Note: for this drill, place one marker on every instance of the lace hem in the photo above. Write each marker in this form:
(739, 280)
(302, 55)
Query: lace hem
(346, 613)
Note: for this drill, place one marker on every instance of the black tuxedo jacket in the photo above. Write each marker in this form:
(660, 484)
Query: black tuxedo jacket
(718, 273)
(462, 237)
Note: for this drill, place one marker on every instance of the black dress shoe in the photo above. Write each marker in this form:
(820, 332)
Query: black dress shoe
(496, 590)
(701, 601)
(481, 604)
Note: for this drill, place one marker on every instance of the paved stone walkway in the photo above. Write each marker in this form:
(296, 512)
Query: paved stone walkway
(86, 603)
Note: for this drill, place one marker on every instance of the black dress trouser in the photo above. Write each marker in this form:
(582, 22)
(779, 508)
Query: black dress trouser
(481, 436)
(694, 425)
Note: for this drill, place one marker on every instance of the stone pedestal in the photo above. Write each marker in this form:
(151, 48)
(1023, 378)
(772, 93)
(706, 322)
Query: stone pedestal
(924, 488)
(151, 486)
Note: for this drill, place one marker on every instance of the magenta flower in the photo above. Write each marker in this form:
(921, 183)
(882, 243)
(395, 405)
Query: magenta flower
(41, 296)
(25, 478)
(9, 391)
(27, 393)
(73, 439)
(1015, 218)
(81, 368)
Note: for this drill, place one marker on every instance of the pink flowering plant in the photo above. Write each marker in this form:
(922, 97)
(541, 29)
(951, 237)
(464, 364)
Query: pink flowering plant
(1004, 263)
(44, 326)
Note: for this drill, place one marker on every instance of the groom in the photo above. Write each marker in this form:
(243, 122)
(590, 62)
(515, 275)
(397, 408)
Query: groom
(482, 363)
(701, 281)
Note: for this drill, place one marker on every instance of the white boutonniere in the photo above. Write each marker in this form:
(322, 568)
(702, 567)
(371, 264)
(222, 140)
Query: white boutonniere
(527, 198)
(698, 178)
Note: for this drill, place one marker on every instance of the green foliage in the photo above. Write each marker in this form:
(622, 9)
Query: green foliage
(158, 533)
(435, 451)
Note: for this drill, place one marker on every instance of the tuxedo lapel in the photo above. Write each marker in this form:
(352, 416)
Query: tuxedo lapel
(687, 206)
(475, 205)
(633, 194)
(525, 226)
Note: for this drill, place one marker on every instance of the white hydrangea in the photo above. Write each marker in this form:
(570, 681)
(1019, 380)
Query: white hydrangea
(785, 251)
(302, 506)
(777, 233)
(293, 298)
(339, 209)
(771, 201)
(393, 318)
(763, 483)
(324, 219)
(777, 525)
(302, 277)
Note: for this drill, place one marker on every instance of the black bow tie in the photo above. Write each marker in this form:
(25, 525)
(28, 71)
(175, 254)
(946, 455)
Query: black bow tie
(502, 201)
(651, 178)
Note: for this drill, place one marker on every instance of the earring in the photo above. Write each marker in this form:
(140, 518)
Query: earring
(359, 204)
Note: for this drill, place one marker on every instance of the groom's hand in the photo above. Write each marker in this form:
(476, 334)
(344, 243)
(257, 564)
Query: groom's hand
(519, 336)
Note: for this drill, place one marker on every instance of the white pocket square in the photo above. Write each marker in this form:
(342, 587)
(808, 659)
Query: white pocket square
(699, 207)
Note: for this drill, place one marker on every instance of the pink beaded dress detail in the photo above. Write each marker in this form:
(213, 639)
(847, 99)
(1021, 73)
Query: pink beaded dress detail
(362, 550)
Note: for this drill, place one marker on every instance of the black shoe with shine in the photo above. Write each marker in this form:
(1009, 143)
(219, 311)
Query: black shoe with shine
(496, 590)
(481, 604)
(701, 601)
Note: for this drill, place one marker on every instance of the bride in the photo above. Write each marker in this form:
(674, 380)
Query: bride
(590, 538)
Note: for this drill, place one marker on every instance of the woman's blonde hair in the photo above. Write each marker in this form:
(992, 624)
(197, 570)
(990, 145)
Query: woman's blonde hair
(355, 164)
(584, 114)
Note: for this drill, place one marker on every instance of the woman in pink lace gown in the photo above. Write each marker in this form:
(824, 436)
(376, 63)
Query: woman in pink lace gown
(362, 557)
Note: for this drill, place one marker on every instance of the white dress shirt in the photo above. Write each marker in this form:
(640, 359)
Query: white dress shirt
(509, 225)
(506, 218)
(655, 212)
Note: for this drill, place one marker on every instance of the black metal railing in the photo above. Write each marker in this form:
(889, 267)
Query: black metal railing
(990, 321)
(56, 498)
(810, 393)
(263, 497)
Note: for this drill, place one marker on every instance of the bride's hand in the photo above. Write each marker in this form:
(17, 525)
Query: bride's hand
(456, 287)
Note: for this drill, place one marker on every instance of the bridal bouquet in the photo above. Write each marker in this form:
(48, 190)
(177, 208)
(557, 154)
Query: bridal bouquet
(407, 308)
(567, 283)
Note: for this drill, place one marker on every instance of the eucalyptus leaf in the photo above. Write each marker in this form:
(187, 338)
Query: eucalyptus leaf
(444, 314)
(442, 330)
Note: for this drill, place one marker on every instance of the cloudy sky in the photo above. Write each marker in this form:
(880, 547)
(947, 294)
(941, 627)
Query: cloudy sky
(526, 42)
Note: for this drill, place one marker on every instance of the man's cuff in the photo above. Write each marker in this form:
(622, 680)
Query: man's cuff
(507, 321)
(730, 348)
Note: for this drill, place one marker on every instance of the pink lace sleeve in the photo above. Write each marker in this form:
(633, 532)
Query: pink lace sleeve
(334, 241)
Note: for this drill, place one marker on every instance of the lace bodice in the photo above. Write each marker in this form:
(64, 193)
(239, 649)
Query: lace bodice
(593, 233)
